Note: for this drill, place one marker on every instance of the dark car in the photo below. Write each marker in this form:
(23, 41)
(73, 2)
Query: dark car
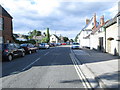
(29, 48)
(11, 50)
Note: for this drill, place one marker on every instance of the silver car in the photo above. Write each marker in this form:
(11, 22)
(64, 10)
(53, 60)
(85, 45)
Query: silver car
(75, 45)
(44, 46)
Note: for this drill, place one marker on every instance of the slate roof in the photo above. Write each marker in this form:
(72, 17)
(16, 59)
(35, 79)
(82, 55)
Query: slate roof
(3, 12)
(56, 36)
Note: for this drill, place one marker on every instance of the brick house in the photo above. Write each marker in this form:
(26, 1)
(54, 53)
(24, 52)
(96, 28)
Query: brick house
(6, 28)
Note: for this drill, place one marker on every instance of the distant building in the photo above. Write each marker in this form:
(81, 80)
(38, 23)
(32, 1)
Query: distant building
(83, 37)
(54, 39)
(6, 28)
(38, 38)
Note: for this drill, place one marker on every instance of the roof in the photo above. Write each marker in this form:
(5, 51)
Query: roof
(3, 12)
(87, 25)
(118, 13)
(112, 21)
(56, 36)
(98, 28)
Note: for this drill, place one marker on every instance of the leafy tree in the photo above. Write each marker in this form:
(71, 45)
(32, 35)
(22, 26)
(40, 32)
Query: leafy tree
(76, 38)
(34, 33)
(71, 40)
(47, 37)
(65, 39)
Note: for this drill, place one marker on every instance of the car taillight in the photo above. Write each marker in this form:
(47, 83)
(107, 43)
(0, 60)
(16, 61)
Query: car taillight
(6, 50)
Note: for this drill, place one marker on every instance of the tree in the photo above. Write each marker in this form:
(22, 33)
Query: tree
(71, 40)
(38, 33)
(48, 35)
(65, 39)
(34, 33)
(76, 38)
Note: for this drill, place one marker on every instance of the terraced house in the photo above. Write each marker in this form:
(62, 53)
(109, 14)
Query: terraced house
(103, 36)
(6, 28)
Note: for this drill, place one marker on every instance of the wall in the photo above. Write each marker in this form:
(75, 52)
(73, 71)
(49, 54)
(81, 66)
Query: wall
(112, 45)
(7, 32)
(94, 40)
(53, 39)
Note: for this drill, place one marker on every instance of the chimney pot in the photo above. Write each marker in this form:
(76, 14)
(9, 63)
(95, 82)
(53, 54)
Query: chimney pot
(87, 21)
(102, 20)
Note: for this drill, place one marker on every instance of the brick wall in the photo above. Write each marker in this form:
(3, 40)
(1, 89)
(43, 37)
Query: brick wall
(7, 32)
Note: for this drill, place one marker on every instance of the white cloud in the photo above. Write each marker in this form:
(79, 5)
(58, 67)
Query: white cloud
(64, 18)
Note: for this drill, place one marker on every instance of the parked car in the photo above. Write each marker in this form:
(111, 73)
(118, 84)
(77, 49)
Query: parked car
(52, 44)
(64, 44)
(75, 45)
(29, 48)
(44, 46)
(58, 44)
(9, 51)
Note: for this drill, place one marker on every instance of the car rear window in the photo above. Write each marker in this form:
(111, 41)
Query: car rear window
(76, 44)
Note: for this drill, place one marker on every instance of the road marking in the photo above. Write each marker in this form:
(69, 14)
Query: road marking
(30, 64)
(46, 53)
(85, 83)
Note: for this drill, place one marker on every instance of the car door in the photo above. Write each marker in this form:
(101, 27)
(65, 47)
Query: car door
(18, 49)
(15, 50)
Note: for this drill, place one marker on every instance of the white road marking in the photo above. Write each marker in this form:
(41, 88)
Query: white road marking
(46, 53)
(30, 64)
(79, 72)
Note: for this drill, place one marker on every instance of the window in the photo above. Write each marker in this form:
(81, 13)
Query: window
(1, 40)
(1, 23)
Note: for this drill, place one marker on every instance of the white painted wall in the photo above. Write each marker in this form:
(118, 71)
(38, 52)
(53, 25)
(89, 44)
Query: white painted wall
(112, 31)
(94, 39)
(53, 39)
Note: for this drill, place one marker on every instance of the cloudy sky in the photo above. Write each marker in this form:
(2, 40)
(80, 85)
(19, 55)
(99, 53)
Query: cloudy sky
(65, 17)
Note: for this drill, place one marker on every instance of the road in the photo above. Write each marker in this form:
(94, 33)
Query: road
(51, 68)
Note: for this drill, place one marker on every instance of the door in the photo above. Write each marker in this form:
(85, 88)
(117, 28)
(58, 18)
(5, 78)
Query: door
(108, 45)
(101, 43)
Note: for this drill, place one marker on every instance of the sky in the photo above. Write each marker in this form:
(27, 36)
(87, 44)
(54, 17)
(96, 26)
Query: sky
(62, 17)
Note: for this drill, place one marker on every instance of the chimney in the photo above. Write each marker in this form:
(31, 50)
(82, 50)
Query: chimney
(95, 23)
(87, 21)
(102, 20)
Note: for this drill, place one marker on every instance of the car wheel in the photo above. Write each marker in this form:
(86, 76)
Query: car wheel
(30, 52)
(10, 57)
(23, 54)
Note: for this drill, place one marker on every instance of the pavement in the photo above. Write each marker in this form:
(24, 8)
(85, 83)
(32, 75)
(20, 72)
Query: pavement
(100, 69)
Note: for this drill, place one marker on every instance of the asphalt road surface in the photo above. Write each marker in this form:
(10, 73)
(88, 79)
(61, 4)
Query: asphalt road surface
(49, 68)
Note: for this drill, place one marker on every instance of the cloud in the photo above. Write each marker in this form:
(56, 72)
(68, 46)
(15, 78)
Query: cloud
(66, 17)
